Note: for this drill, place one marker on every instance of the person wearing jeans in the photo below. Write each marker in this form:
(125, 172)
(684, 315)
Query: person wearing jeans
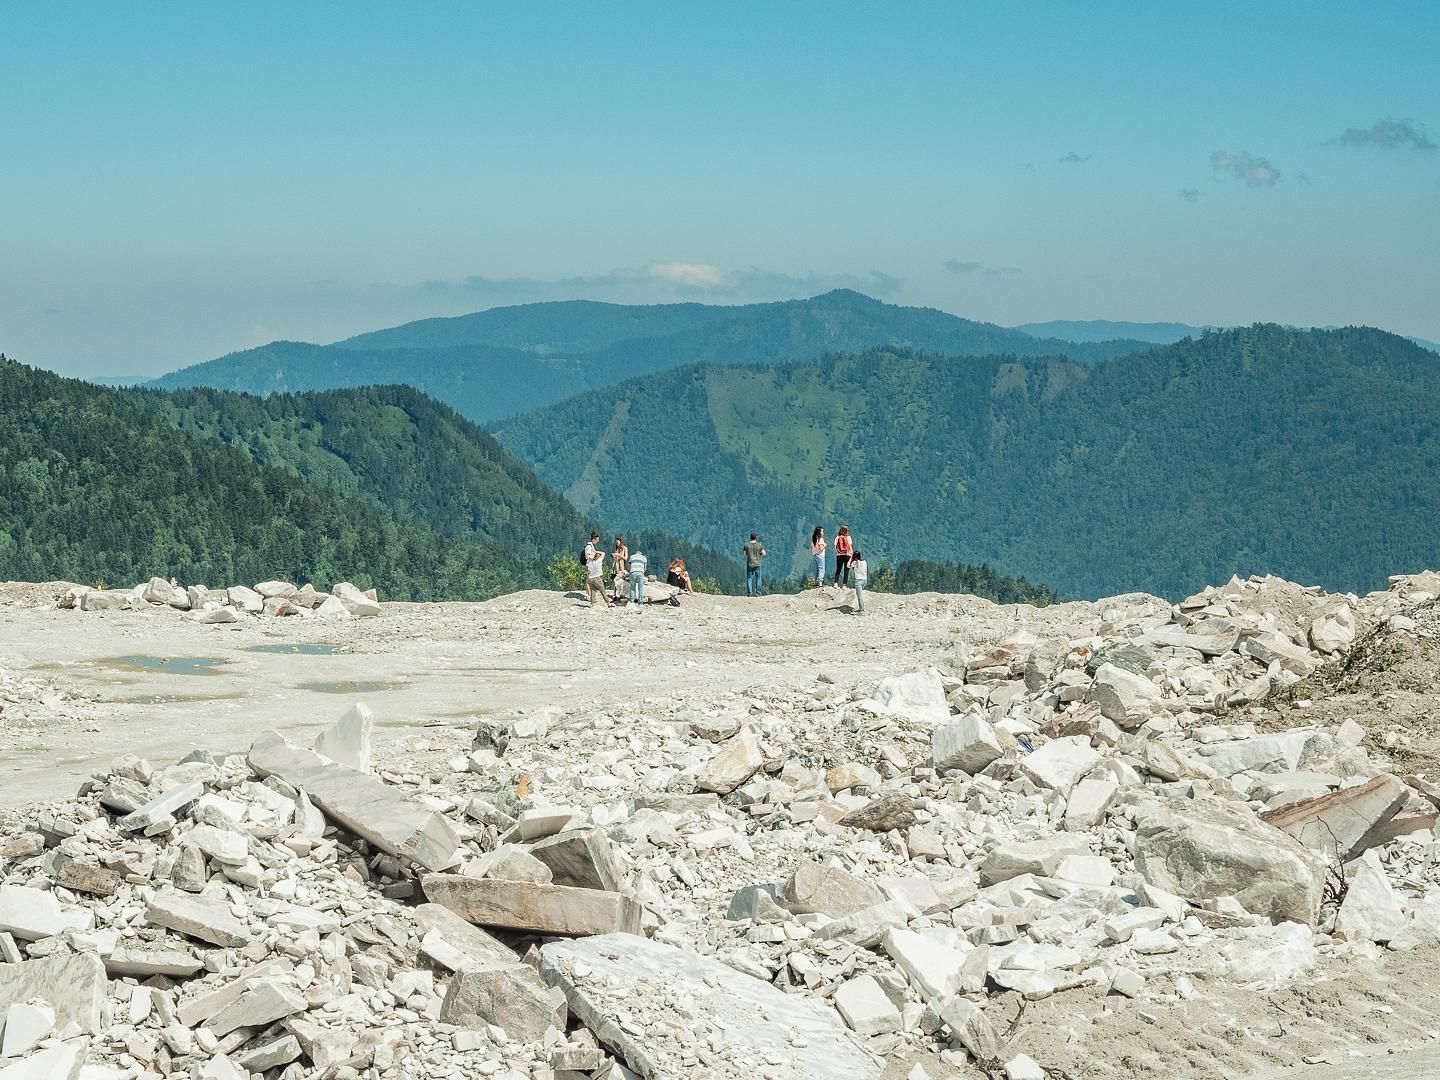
(638, 563)
(754, 553)
(861, 570)
(817, 552)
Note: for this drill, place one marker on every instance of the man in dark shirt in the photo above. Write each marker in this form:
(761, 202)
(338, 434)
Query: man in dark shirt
(754, 554)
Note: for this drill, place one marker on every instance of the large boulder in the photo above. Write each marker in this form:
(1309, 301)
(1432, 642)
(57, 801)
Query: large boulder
(1212, 848)
(1334, 631)
(358, 603)
(969, 744)
(918, 697)
(1124, 697)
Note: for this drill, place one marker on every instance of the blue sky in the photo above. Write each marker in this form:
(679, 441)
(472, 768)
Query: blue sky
(183, 180)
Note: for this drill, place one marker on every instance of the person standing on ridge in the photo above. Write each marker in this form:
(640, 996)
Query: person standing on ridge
(862, 578)
(637, 566)
(619, 566)
(595, 572)
(843, 550)
(754, 553)
(817, 552)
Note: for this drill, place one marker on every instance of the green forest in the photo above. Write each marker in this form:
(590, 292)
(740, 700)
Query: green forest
(1306, 453)
(95, 488)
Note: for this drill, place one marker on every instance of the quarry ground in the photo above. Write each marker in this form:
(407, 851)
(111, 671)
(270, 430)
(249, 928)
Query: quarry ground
(430, 670)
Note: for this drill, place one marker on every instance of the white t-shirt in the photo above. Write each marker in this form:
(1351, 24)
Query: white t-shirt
(596, 566)
(861, 570)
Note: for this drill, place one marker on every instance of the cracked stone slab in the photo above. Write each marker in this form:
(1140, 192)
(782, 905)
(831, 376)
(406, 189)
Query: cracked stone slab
(652, 1004)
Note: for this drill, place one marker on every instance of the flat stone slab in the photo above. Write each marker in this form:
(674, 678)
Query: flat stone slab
(360, 803)
(1343, 823)
(676, 1003)
(141, 963)
(524, 905)
(73, 985)
(206, 918)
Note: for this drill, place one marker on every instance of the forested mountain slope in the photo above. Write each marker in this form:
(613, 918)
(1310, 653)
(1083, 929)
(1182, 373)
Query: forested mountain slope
(1311, 454)
(414, 458)
(538, 354)
(93, 486)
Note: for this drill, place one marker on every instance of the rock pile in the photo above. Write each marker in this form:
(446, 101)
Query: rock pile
(785, 885)
(274, 598)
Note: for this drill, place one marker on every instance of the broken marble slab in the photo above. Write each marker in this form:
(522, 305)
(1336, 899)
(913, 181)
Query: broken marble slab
(676, 1001)
(62, 1062)
(347, 741)
(162, 807)
(31, 914)
(1342, 823)
(360, 802)
(72, 983)
(206, 918)
(542, 909)
(582, 858)
(456, 944)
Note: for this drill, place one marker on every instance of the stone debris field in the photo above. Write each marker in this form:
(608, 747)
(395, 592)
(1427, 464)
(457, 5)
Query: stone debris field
(1109, 839)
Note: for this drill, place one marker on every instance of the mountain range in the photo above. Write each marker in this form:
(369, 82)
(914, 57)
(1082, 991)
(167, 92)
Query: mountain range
(499, 363)
(1306, 453)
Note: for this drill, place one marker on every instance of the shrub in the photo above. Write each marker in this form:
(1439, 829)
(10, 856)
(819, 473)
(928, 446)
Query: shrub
(567, 573)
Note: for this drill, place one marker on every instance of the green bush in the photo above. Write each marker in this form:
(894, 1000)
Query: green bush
(567, 573)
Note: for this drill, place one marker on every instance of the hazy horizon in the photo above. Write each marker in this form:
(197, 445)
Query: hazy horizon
(185, 184)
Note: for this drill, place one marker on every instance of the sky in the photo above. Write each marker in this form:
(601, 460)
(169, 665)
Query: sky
(182, 180)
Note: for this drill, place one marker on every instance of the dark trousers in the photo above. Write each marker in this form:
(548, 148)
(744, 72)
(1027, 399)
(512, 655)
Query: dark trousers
(842, 569)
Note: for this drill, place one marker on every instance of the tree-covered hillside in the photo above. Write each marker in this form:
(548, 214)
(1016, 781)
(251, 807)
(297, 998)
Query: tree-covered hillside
(1310, 454)
(497, 364)
(95, 487)
(414, 458)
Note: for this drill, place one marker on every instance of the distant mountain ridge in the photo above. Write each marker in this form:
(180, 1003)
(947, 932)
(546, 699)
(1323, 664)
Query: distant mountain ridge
(1085, 330)
(499, 363)
(1158, 333)
(1306, 453)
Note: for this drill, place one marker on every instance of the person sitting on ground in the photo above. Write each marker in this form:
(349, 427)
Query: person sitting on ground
(637, 565)
(619, 566)
(678, 576)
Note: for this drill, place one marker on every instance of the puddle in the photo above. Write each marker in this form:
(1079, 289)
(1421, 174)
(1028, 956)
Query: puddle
(294, 649)
(173, 665)
(349, 687)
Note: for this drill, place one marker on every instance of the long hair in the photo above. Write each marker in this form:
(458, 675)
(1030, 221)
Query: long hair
(844, 530)
(819, 532)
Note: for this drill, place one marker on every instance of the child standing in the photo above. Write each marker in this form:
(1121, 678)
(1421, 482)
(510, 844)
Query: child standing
(817, 552)
(862, 578)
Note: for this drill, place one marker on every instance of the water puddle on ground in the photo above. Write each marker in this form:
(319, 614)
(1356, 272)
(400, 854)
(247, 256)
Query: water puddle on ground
(294, 649)
(169, 665)
(349, 687)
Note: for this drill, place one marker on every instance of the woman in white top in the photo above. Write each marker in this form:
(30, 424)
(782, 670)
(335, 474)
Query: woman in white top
(861, 569)
(817, 552)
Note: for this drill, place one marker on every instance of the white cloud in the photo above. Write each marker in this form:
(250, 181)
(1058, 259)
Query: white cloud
(1387, 135)
(700, 275)
(1251, 170)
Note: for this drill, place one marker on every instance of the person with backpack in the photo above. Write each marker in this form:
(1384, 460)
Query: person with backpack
(637, 566)
(817, 552)
(595, 571)
(862, 578)
(844, 549)
(754, 553)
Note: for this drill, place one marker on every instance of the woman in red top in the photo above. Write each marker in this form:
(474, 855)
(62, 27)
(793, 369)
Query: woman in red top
(843, 550)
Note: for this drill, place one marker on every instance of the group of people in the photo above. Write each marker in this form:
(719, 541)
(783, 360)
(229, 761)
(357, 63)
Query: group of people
(629, 568)
(849, 562)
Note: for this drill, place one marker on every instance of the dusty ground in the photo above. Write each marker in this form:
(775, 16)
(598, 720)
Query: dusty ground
(91, 692)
